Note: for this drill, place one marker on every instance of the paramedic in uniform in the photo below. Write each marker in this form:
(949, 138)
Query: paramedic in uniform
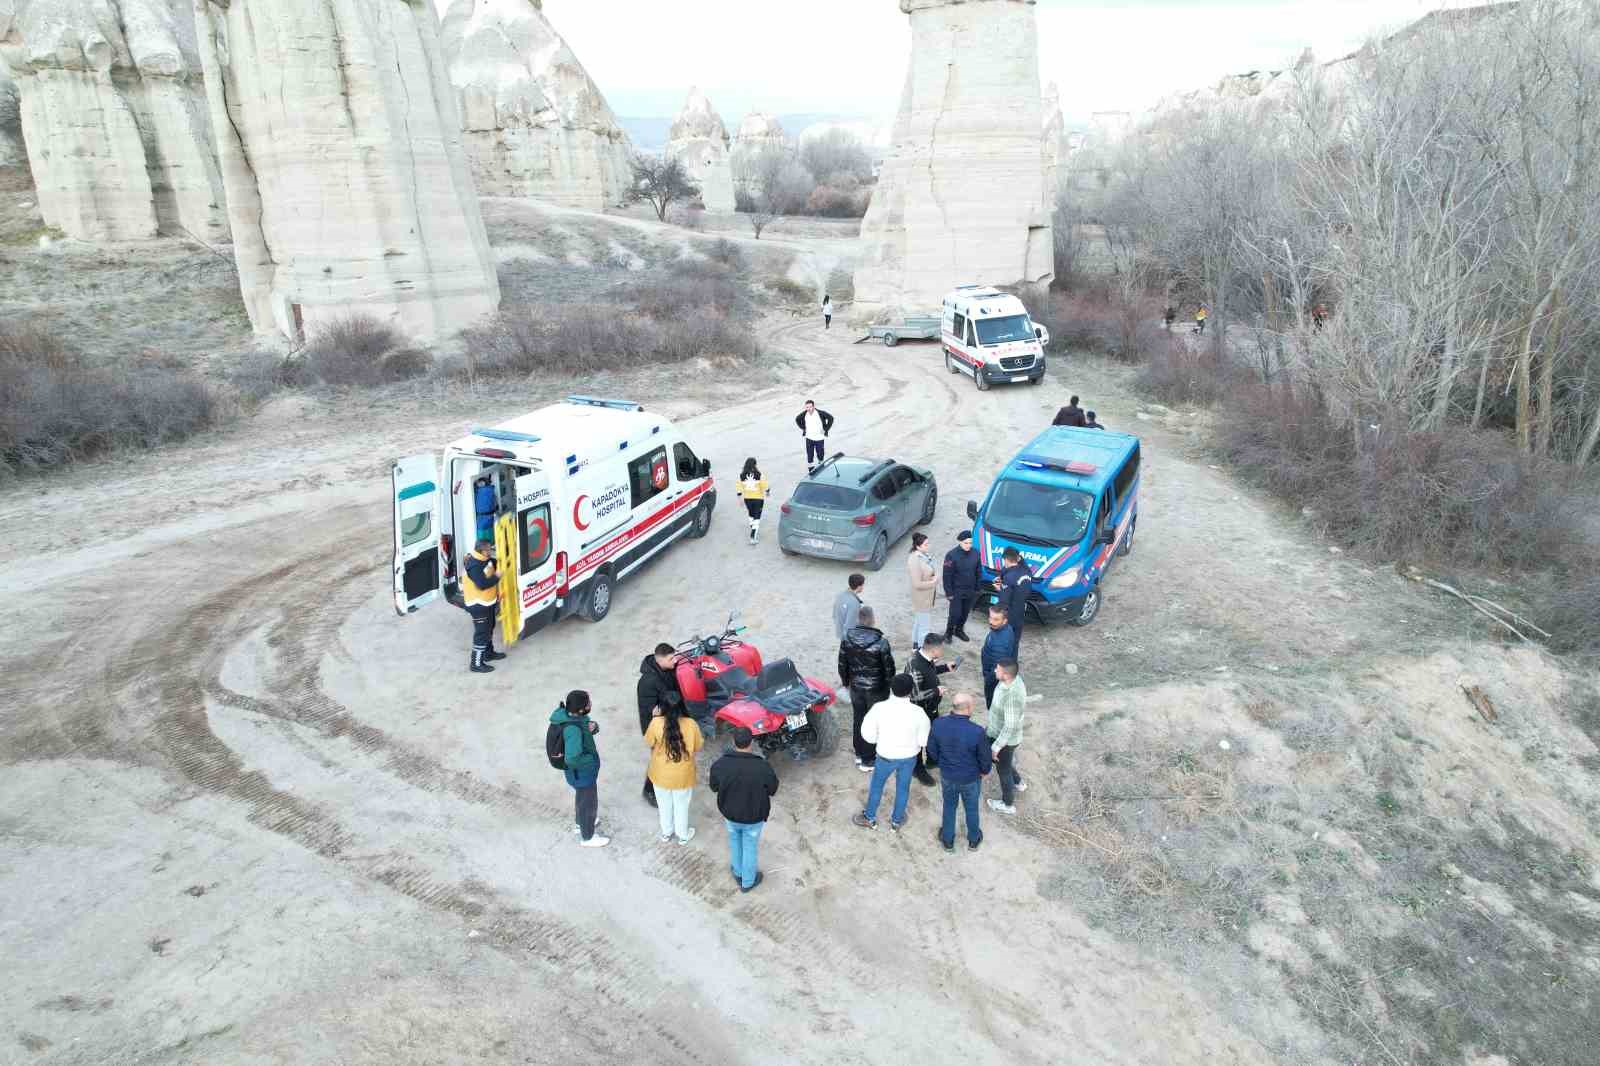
(481, 590)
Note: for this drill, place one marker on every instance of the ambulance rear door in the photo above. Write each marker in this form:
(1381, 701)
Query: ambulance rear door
(536, 547)
(416, 532)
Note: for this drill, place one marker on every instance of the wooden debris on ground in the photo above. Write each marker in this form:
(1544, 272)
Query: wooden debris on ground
(1480, 702)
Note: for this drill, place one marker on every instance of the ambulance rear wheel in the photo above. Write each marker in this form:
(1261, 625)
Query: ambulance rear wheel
(950, 364)
(702, 521)
(597, 598)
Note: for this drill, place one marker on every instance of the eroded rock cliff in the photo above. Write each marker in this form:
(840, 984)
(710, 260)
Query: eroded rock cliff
(535, 123)
(960, 198)
(348, 188)
(699, 138)
(114, 116)
(758, 133)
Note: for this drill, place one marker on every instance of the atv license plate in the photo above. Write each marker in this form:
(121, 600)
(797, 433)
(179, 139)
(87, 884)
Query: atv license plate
(797, 721)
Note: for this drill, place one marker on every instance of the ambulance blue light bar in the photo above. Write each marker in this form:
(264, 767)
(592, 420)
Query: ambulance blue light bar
(597, 401)
(504, 434)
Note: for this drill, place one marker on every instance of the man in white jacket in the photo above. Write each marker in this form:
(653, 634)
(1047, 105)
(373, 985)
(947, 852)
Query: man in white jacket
(900, 730)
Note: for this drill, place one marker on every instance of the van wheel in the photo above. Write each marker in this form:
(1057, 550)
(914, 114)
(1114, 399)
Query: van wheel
(981, 379)
(950, 363)
(1090, 609)
(702, 521)
(596, 598)
(1036, 381)
(880, 552)
(1127, 542)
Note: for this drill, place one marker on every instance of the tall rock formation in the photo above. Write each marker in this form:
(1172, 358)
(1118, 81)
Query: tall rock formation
(12, 151)
(699, 138)
(961, 197)
(348, 187)
(535, 123)
(114, 116)
(758, 133)
(1055, 144)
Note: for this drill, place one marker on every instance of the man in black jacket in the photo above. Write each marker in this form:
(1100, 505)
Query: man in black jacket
(1012, 587)
(866, 663)
(814, 426)
(961, 566)
(744, 785)
(926, 666)
(1070, 415)
(658, 687)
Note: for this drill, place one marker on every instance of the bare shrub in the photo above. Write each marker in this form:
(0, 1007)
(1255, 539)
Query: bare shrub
(1181, 376)
(839, 199)
(56, 408)
(363, 351)
(837, 153)
(792, 292)
(726, 253)
(1570, 609)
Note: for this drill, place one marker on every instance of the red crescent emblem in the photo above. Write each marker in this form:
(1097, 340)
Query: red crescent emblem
(577, 509)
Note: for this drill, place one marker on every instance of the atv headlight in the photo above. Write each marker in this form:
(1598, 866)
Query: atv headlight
(1066, 580)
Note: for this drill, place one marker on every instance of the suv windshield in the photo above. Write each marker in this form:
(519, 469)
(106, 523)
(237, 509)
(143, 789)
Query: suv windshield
(828, 497)
(1043, 514)
(1001, 330)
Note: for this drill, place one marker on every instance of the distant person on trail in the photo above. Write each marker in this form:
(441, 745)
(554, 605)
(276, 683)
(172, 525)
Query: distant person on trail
(847, 605)
(1000, 644)
(1090, 423)
(753, 490)
(1169, 316)
(656, 691)
(481, 591)
(827, 311)
(485, 505)
(1200, 314)
(1070, 415)
(961, 566)
(898, 729)
(582, 763)
(814, 426)
(866, 663)
(927, 665)
(1319, 316)
(673, 738)
(1013, 585)
(962, 749)
(924, 588)
(1006, 710)
(744, 784)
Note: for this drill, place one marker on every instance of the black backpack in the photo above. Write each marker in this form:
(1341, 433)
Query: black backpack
(555, 744)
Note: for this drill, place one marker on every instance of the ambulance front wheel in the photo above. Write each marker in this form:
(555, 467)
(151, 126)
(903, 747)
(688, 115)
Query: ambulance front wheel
(701, 524)
(597, 598)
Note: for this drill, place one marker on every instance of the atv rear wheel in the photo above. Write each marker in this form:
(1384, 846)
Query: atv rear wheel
(826, 728)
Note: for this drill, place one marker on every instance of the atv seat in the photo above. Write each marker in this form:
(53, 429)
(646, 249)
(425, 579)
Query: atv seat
(781, 689)
(731, 682)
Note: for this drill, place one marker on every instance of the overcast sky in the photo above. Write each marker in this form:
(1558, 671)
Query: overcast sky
(849, 56)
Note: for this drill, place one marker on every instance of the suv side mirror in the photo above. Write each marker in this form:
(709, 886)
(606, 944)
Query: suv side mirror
(705, 468)
(972, 509)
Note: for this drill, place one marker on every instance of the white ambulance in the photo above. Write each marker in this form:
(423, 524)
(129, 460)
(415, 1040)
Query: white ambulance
(597, 486)
(988, 335)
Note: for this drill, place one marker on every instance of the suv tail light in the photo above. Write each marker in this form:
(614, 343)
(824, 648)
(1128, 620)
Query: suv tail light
(784, 508)
(561, 575)
(866, 519)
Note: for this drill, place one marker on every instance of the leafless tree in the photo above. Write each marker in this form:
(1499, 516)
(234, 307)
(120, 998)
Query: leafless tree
(776, 185)
(660, 182)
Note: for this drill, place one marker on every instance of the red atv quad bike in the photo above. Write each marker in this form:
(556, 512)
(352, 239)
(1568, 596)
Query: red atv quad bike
(723, 676)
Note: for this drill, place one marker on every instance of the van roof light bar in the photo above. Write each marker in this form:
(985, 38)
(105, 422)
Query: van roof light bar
(504, 434)
(1065, 466)
(600, 401)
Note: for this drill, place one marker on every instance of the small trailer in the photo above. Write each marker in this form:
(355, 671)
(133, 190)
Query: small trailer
(892, 333)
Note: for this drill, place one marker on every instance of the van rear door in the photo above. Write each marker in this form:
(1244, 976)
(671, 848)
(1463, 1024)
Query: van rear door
(416, 532)
(536, 543)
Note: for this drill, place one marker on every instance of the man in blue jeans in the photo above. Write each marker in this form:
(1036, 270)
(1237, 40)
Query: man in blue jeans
(961, 748)
(899, 728)
(744, 785)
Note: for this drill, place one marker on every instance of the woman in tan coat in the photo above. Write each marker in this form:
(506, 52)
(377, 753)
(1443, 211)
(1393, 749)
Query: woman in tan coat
(673, 738)
(924, 588)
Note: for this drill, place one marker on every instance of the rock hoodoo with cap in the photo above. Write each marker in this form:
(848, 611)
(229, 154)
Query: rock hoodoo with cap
(700, 140)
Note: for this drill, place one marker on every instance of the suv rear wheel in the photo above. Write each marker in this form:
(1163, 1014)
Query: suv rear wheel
(880, 552)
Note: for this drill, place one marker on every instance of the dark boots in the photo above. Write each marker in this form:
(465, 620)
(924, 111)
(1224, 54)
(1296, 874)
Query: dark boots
(478, 664)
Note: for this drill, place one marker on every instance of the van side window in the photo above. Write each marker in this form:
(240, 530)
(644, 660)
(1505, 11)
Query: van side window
(1107, 505)
(959, 326)
(970, 342)
(535, 522)
(647, 476)
(688, 466)
(1126, 476)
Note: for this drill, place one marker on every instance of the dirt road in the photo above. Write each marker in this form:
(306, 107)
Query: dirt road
(248, 815)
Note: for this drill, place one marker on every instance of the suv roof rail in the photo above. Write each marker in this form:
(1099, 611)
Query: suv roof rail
(598, 401)
(503, 434)
(829, 461)
(874, 472)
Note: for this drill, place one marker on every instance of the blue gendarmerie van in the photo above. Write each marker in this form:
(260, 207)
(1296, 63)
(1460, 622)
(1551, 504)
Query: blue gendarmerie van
(1069, 503)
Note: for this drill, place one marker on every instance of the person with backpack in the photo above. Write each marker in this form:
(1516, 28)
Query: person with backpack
(569, 745)
(744, 784)
(673, 738)
(752, 488)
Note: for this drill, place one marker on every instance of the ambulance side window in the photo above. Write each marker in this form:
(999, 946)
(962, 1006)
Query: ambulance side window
(535, 537)
(688, 466)
(647, 476)
(959, 326)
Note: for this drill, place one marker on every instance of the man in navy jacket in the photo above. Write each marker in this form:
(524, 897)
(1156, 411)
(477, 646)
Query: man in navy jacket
(961, 566)
(999, 645)
(961, 747)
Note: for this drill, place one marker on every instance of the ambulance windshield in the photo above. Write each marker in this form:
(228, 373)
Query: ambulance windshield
(1038, 514)
(1001, 330)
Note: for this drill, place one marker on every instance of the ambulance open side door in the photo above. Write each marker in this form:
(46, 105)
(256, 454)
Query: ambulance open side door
(416, 533)
(536, 548)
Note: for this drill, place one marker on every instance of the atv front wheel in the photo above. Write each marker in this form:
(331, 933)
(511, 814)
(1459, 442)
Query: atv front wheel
(826, 728)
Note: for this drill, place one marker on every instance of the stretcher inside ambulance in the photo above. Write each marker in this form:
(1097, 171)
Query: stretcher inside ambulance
(580, 494)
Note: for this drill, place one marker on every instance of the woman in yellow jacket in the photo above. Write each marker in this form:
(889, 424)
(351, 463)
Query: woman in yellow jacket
(673, 739)
(753, 490)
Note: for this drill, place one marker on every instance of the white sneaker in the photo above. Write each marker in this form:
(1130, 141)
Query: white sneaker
(689, 837)
(1003, 808)
(1021, 786)
(864, 768)
(596, 841)
(665, 837)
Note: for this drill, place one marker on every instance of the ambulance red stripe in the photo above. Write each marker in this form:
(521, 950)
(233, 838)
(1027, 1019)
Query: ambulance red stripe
(604, 552)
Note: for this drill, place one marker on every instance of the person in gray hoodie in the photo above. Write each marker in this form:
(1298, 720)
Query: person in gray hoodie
(847, 606)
